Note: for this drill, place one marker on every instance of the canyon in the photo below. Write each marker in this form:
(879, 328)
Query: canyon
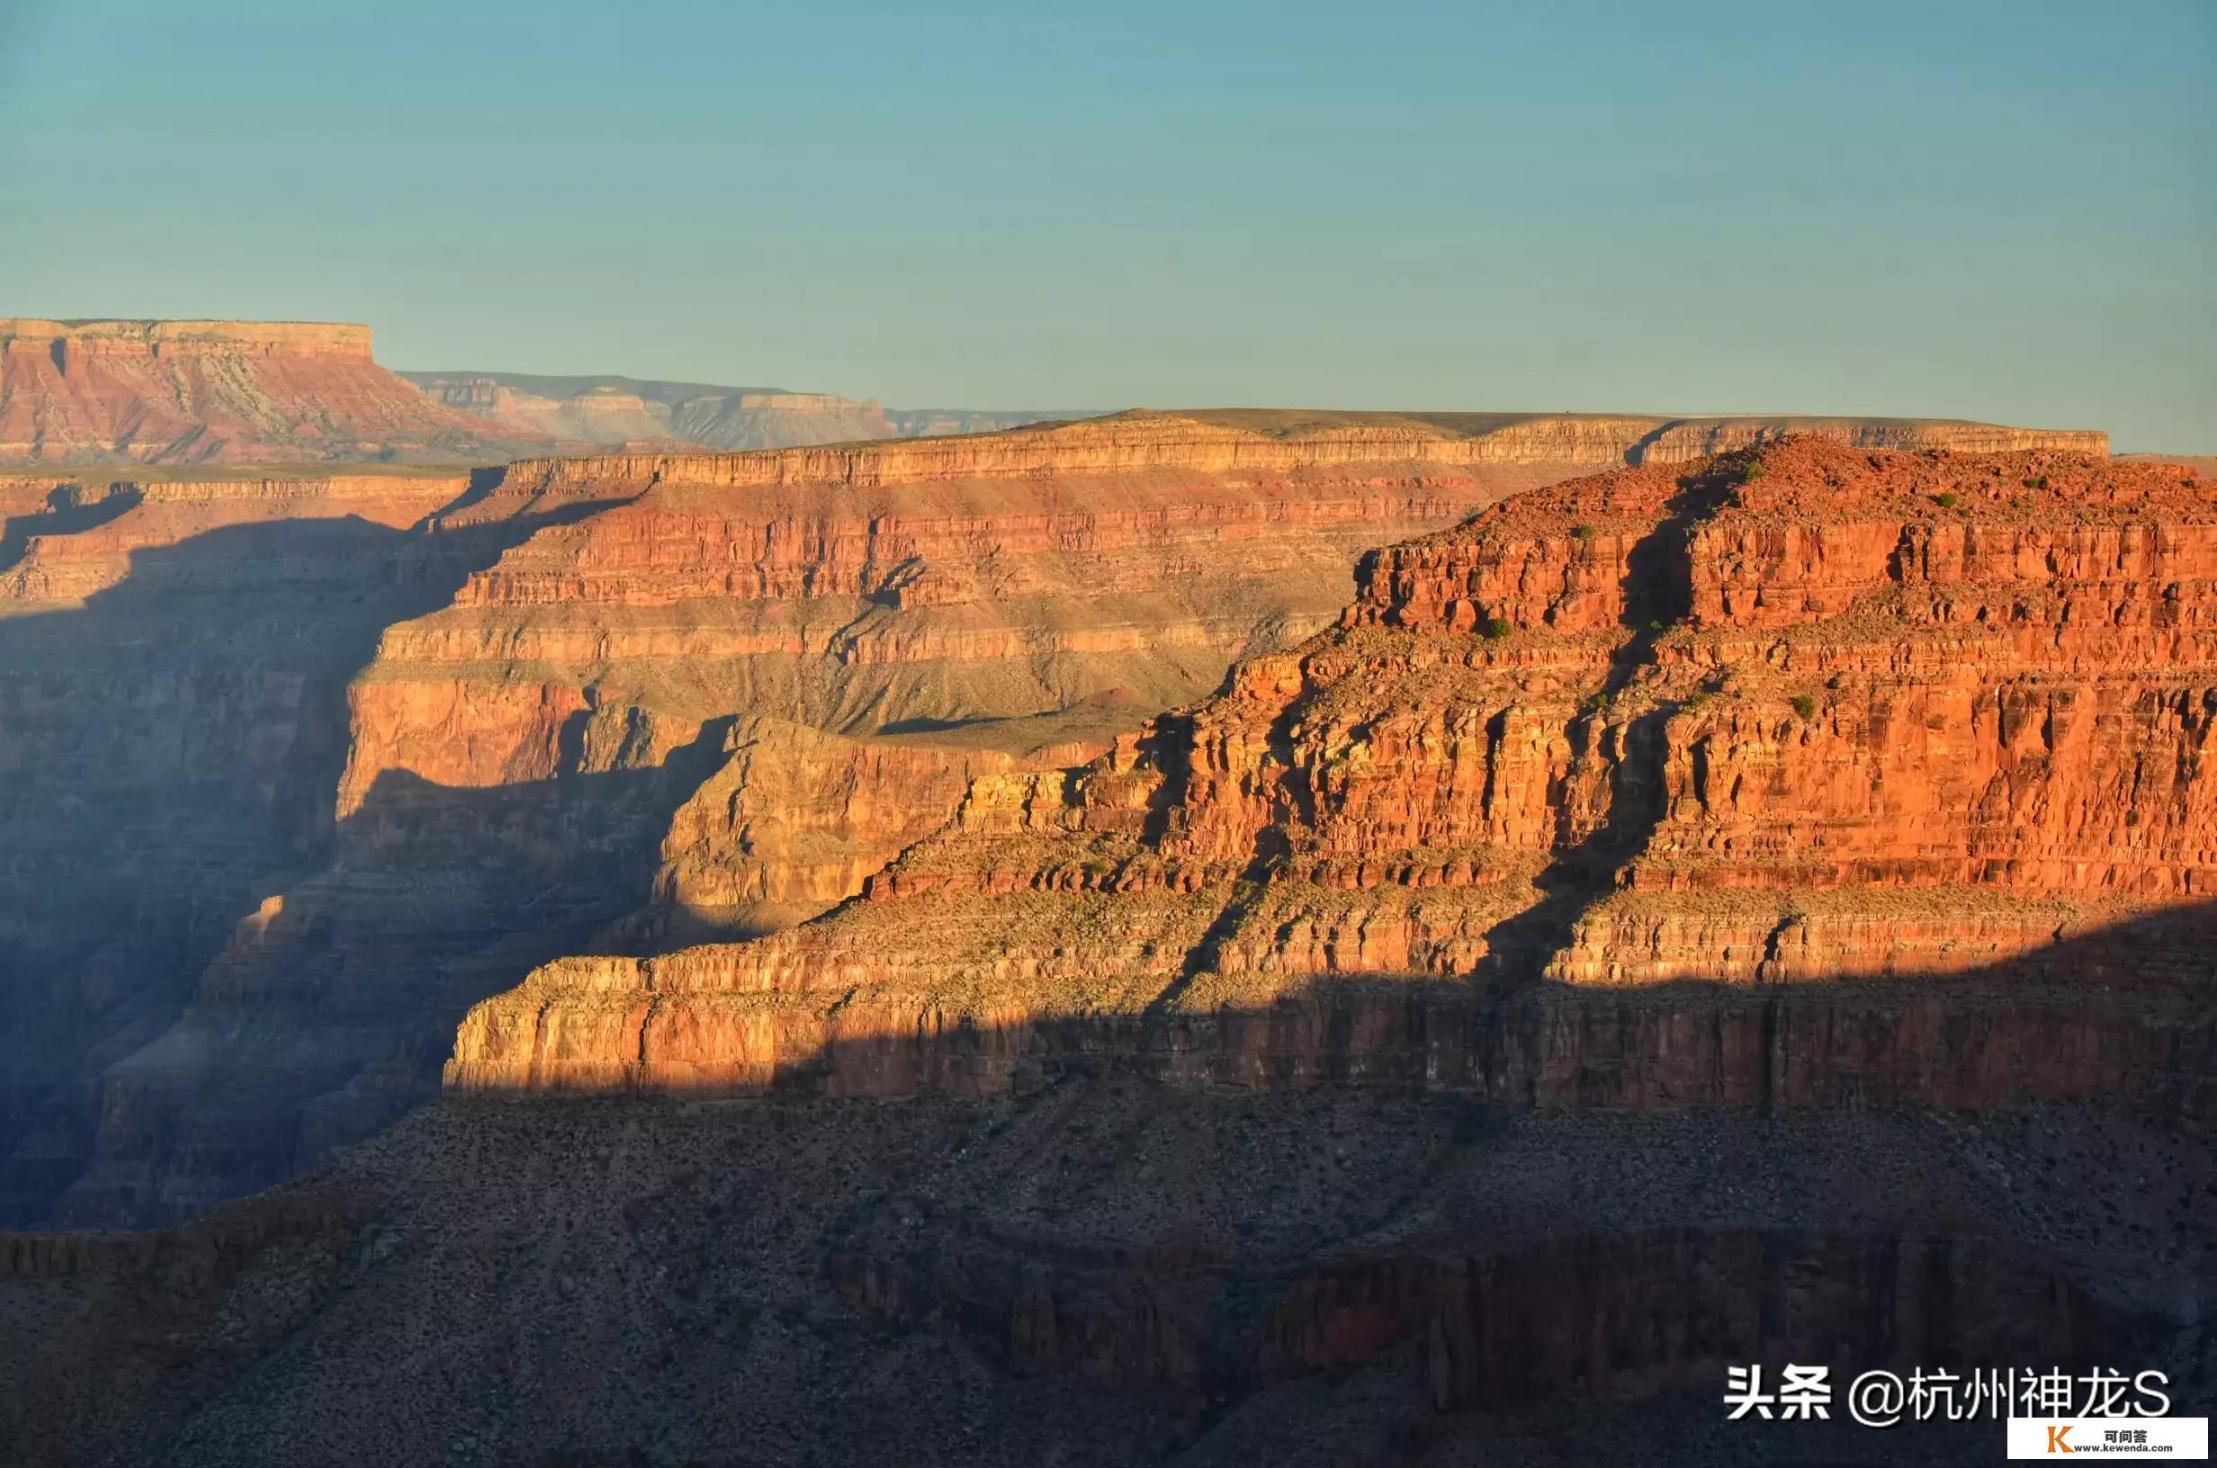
(301, 769)
(1192, 937)
(298, 768)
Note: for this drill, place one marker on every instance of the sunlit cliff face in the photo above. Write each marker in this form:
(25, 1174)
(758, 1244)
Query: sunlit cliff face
(1800, 716)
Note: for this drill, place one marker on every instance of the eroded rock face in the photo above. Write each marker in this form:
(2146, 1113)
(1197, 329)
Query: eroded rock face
(236, 392)
(1789, 718)
(711, 712)
(173, 665)
(1754, 910)
(397, 739)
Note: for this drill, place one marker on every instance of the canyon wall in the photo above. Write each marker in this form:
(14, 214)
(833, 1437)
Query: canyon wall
(174, 657)
(1806, 775)
(389, 741)
(702, 714)
(1756, 908)
(1266, 441)
(1109, 1272)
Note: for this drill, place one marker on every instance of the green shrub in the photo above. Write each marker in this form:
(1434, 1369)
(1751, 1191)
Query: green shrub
(1581, 532)
(1498, 627)
(1945, 501)
(1805, 706)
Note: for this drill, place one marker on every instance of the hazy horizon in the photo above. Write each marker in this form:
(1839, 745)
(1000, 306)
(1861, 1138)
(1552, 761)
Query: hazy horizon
(2000, 212)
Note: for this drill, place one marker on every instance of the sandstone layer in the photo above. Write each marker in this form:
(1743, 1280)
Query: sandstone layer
(1799, 776)
(224, 392)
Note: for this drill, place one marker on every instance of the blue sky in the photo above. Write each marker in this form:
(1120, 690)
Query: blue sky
(1966, 209)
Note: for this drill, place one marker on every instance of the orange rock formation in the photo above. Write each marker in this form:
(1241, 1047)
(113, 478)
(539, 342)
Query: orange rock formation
(301, 769)
(1737, 909)
(1802, 714)
(169, 392)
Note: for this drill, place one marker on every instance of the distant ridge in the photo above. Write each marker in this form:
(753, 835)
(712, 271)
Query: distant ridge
(206, 392)
(608, 409)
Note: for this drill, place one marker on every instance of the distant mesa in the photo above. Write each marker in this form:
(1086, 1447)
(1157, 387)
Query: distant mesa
(610, 411)
(221, 392)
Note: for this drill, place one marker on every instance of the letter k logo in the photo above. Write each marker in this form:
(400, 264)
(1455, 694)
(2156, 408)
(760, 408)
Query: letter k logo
(2058, 1438)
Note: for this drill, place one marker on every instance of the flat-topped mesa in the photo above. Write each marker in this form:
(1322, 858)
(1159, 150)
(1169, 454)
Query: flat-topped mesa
(771, 420)
(1803, 715)
(266, 392)
(618, 412)
(171, 339)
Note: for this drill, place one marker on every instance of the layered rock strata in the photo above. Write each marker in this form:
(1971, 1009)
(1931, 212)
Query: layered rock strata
(588, 706)
(1601, 798)
(707, 712)
(232, 392)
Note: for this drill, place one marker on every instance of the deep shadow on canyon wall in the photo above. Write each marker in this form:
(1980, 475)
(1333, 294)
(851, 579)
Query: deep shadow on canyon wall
(169, 753)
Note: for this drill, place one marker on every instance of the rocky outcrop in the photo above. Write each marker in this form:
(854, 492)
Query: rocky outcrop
(228, 392)
(1799, 716)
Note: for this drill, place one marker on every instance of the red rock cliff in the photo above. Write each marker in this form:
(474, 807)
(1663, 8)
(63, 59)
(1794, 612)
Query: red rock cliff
(157, 392)
(1805, 714)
